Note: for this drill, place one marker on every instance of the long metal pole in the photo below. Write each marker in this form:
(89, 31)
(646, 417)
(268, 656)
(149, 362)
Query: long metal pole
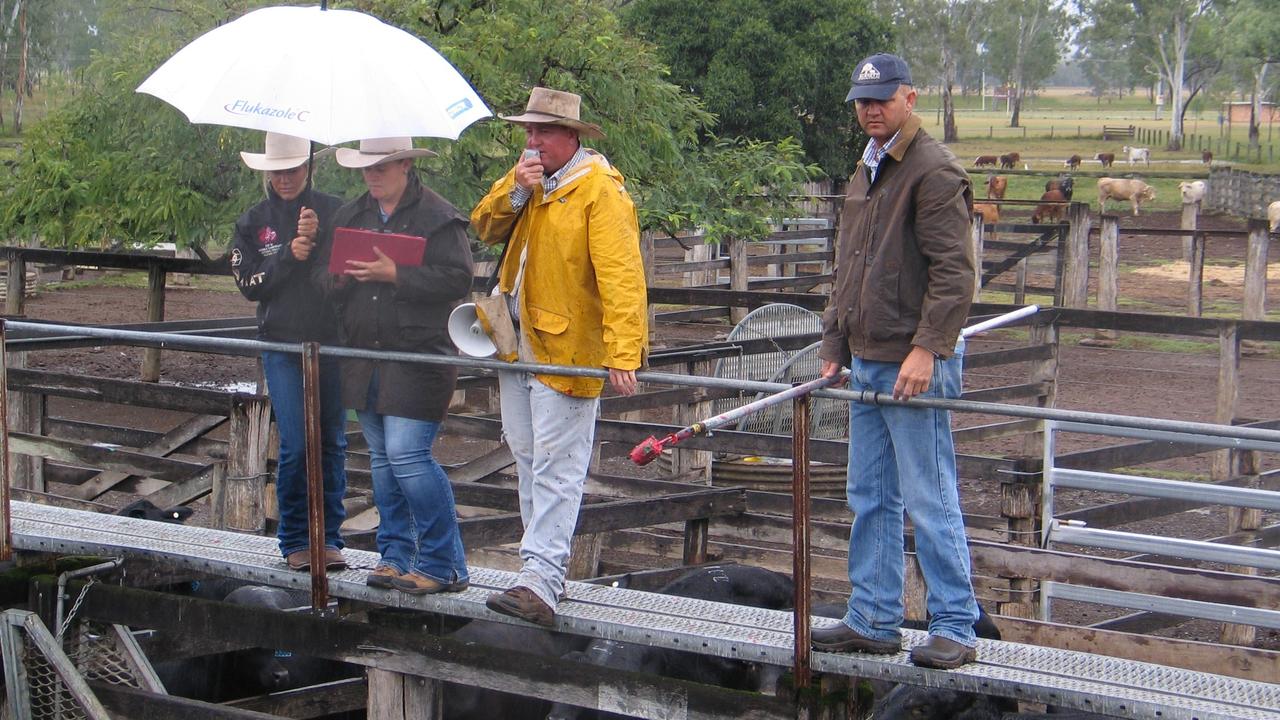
(6, 532)
(250, 347)
(315, 474)
(800, 535)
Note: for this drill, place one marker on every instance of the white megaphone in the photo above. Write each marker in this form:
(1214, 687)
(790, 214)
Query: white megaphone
(467, 332)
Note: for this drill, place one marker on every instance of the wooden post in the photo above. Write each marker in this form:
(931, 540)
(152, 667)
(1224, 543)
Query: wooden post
(155, 313)
(978, 229)
(1042, 371)
(696, 463)
(1075, 279)
(1190, 215)
(1243, 520)
(1224, 461)
(1108, 271)
(700, 278)
(396, 696)
(1255, 277)
(739, 275)
(584, 556)
(1195, 275)
(646, 257)
(1020, 506)
(15, 298)
(1020, 283)
(26, 410)
(242, 500)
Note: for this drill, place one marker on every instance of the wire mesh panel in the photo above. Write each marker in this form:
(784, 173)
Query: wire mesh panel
(109, 654)
(828, 418)
(41, 680)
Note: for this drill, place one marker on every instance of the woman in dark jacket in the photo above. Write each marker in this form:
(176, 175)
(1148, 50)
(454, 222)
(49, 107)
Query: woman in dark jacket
(271, 262)
(383, 305)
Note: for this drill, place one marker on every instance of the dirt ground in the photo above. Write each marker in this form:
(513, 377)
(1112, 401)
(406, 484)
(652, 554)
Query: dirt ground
(1150, 378)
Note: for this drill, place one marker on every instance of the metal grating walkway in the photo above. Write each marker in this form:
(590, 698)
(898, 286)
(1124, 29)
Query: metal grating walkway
(1069, 679)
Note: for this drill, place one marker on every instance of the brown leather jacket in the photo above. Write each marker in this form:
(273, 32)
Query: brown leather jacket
(904, 258)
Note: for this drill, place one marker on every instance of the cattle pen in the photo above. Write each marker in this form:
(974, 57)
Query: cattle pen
(1027, 561)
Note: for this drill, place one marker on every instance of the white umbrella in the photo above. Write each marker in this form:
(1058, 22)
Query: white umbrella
(326, 75)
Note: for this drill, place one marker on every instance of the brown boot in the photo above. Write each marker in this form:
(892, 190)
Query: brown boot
(415, 584)
(521, 602)
(333, 559)
(382, 577)
(942, 653)
(299, 560)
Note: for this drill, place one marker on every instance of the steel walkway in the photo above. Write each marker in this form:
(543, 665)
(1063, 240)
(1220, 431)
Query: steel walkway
(1065, 678)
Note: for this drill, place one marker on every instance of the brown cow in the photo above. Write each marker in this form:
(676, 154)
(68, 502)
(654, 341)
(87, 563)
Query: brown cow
(1050, 207)
(1073, 162)
(1105, 158)
(996, 185)
(1206, 157)
(985, 160)
(989, 211)
(1009, 160)
(1135, 191)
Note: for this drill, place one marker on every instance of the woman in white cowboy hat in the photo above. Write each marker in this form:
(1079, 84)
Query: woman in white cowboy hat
(386, 306)
(274, 247)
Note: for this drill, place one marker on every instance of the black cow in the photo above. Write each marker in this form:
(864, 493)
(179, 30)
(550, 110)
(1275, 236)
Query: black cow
(147, 510)
(253, 671)
(734, 584)
(464, 702)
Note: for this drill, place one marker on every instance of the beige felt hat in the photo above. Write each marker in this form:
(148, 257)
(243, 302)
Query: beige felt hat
(283, 152)
(376, 151)
(555, 107)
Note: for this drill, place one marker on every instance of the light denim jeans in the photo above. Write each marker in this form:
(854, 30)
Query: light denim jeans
(550, 435)
(903, 458)
(418, 526)
(283, 371)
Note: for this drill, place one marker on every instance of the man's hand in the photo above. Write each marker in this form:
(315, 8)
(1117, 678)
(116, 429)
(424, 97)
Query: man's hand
(381, 270)
(301, 247)
(915, 374)
(623, 381)
(529, 171)
(830, 369)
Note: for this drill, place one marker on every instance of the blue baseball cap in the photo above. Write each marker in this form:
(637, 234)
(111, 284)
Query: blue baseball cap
(878, 77)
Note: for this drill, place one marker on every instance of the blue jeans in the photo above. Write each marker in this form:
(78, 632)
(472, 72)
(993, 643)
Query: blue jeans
(903, 458)
(284, 383)
(418, 529)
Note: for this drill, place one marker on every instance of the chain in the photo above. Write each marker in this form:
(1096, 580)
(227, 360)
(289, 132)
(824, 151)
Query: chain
(66, 621)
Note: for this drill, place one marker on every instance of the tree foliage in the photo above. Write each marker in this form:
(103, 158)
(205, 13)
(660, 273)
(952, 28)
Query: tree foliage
(114, 166)
(1026, 40)
(769, 69)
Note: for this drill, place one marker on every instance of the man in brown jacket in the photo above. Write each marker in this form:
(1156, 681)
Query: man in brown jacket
(904, 281)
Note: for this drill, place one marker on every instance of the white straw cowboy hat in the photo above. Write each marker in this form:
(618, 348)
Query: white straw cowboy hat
(376, 151)
(283, 152)
(555, 107)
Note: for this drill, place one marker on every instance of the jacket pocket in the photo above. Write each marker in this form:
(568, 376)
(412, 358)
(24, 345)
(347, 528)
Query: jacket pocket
(547, 321)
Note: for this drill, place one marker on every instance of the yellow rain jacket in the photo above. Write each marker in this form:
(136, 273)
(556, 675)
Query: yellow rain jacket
(583, 300)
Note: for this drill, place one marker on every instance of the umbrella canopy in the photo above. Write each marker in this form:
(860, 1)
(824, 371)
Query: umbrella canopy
(326, 75)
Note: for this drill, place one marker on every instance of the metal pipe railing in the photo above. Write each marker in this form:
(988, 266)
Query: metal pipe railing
(214, 345)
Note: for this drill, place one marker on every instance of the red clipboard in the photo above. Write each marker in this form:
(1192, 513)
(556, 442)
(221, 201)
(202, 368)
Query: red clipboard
(356, 244)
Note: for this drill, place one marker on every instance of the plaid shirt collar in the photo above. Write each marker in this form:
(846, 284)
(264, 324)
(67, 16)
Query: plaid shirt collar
(875, 152)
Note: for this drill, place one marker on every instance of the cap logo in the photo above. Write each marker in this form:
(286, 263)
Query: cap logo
(868, 72)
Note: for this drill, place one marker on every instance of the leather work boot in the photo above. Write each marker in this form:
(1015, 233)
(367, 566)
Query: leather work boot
(942, 653)
(299, 560)
(842, 638)
(382, 577)
(416, 584)
(521, 602)
(333, 559)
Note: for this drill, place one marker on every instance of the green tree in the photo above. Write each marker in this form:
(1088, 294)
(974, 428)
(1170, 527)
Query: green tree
(1253, 41)
(1027, 38)
(769, 69)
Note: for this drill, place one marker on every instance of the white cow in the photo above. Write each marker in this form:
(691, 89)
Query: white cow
(1192, 192)
(1135, 191)
(1134, 154)
(1273, 216)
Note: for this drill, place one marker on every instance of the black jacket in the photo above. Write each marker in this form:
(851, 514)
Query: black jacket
(410, 315)
(291, 307)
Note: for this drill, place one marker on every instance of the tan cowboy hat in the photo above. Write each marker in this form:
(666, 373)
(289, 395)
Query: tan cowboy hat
(283, 152)
(376, 151)
(555, 107)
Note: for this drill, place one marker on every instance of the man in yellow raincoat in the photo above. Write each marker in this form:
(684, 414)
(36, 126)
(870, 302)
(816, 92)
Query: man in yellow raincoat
(575, 285)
